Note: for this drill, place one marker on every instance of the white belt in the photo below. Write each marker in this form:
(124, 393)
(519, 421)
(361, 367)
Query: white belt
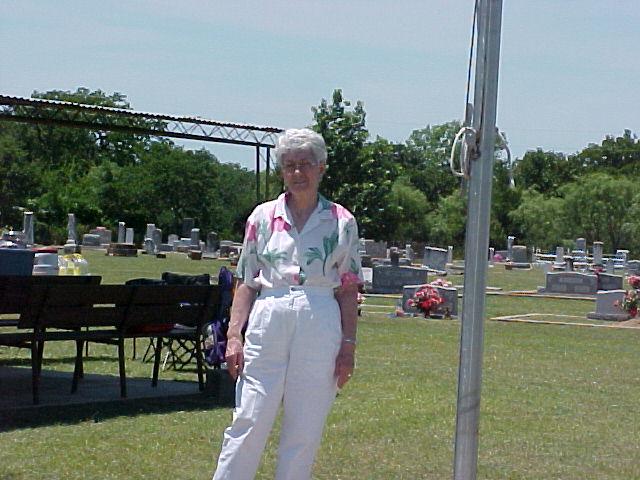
(292, 289)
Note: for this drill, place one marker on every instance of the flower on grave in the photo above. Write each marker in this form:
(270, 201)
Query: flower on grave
(634, 281)
(630, 302)
(426, 299)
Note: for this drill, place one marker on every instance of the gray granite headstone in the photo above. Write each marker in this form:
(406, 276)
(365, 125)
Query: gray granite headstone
(375, 249)
(607, 308)
(128, 237)
(187, 224)
(173, 238)
(72, 234)
(104, 233)
(450, 254)
(195, 238)
(448, 307)
(581, 244)
(394, 256)
(91, 240)
(607, 281)
(634, 267)
(510, 240)
(213, 244)
(435, 258)
(559, 256)
(28, 228)
(621, 257)
(148, 246)
(408, 251)
(571, 283)
(492, 252)
(597, 253)
(149, 231)
(156, 237)
(519, 254)
(390, 279)
(610, 265)
(122, 232)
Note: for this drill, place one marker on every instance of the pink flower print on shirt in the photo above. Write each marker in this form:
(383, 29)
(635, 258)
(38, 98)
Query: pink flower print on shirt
(251, 232)
(349, 278)
(338, 211)
(280, 225)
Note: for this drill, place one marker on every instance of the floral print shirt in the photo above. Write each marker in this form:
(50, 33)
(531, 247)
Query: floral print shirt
(323, 254)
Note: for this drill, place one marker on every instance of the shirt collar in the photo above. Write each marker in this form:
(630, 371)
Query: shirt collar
(322, 211)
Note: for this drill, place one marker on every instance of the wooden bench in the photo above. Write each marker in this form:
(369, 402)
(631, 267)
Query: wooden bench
(111, 314)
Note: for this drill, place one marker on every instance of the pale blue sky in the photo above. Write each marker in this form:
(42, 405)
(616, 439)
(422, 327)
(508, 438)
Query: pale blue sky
(569, 68)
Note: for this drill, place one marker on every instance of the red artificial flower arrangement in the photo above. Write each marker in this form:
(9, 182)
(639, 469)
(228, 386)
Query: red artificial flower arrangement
(427, 299)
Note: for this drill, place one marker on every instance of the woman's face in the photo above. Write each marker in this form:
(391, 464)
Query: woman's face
(300, 172)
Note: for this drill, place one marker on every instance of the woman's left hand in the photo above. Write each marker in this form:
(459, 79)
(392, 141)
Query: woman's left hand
(345, 362)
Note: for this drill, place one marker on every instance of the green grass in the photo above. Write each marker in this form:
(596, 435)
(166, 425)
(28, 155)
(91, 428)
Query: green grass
(557, 402)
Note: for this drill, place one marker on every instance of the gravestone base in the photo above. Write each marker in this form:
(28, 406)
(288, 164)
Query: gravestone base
(161, 255)
(613, 317)
(122, 250)
(70, 248)
(517, 265)
(195, 254)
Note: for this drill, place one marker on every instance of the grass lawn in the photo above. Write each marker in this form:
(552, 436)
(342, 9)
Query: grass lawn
(558, 402)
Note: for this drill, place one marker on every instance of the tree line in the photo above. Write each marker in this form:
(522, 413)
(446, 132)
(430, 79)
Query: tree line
(400, 192)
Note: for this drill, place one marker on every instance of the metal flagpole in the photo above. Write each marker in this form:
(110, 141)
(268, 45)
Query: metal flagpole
(477, 240)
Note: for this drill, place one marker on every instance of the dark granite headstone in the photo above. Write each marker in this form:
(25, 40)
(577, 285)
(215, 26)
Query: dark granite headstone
(435, 258)
(607, 281)
(390, 279)
(571, 283)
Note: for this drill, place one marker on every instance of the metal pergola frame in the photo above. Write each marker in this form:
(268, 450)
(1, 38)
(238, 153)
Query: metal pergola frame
(99, 118)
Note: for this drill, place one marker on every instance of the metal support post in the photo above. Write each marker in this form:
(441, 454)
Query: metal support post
(257, 174)
(477, 241)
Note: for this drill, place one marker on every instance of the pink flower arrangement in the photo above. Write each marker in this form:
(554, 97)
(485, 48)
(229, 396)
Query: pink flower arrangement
(427, 299)
(634, 281)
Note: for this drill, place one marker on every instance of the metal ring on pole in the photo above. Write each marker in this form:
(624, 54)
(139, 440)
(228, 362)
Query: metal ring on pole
(464, 163)
(504, 145)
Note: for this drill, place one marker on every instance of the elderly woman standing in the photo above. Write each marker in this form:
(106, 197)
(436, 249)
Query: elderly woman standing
(300, 272)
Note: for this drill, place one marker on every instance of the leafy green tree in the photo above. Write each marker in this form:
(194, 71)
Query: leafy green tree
(539, 219)
(447, 223)
(600, 207)
(412, 208)
(544, 171)
(616, 156)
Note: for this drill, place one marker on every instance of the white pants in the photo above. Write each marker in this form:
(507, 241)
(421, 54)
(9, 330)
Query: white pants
(291, 343)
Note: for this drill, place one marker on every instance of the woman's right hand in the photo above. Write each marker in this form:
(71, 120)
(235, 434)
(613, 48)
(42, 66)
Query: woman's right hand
(234, 357)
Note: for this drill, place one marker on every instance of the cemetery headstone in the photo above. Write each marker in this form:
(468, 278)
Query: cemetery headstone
(435, 258)
(559, 256)
(621, 257)
(610, 265)
(597, 253)
(27, 228)
(156, 237)
(633, 267)
(187, 226)
(149, 231)
(128, 237)
(519, 257)
(72, 234)
(408, 251)
(450, 254)
(510, 240)
(122, 232)
(173, 238)
(607, 307)
(375, 249)
(492, 252)
(390, 279)
(394, 256)
(570, 283)
(195, 238)
(213, 244)
(91, 240)
(607, 281)
(448, 294)
(148, 246)
(581, 244)
(104, 233)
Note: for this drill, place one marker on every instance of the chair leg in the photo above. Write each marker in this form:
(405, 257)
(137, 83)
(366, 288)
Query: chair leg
(200, 363)
(35, 372)
(156, 361)
(78, 371)
(121, 368)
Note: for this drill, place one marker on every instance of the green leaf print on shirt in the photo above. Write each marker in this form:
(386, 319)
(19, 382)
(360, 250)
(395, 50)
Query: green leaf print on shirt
(329, 244)
(270, 257)
(354, 266)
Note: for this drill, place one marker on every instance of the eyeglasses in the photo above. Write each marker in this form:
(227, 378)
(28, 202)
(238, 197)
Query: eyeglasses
(290, 167)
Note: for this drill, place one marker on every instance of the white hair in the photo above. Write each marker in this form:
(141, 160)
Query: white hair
(301, 139)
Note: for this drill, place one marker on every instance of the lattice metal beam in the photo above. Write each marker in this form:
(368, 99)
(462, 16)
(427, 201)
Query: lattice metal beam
(76, 115)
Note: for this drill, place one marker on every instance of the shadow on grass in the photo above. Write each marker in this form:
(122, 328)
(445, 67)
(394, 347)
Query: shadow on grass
(219, 393)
